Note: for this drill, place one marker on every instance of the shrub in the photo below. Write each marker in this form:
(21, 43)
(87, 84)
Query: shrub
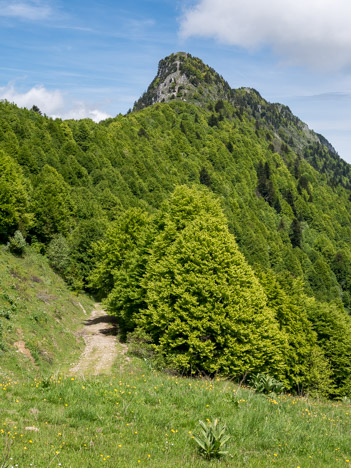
(17, 243)
(6, 313)
(58, 253)
(264, 383)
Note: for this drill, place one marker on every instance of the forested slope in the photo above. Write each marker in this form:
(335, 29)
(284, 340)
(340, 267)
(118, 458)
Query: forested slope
(283, 190)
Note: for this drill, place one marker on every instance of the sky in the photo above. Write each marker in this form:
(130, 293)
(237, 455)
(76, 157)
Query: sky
(93, 59)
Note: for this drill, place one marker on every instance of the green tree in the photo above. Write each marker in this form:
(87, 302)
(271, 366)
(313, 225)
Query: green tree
(14, 198)
(36, 109)
(53, 206)
(80, 241)
(121, 259)
(17, 244)
(333, 328)
(58, 253)
(295, 233)
(306, 367)
(206, 311)
(205, 178)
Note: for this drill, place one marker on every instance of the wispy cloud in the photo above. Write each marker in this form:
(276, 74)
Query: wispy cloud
(75, 28)
(316, 33)
(53, 103)
(26, 10)
(81, 110)
(339, 97)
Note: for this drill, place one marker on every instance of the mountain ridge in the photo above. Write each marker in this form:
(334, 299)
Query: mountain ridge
(182, 77)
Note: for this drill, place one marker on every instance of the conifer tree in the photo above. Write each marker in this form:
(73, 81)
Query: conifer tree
(205, 178)
(295, 233)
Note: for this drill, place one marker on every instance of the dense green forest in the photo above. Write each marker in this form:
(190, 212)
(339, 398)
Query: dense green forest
(216, 226)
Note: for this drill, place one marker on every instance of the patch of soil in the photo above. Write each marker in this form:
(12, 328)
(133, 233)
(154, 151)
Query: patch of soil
(21, 346)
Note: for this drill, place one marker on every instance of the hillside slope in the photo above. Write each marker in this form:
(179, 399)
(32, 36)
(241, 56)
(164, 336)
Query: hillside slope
(39, 317)
(80, 175)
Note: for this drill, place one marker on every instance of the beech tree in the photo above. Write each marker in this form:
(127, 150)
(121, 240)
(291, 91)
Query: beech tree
(333, 328)
(120, 265)
(206, 311)
(302, 357)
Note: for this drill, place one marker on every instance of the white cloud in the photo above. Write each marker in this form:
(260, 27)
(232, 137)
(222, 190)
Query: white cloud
(315, 33)
(53, 103)
(27, 10)
(47, 101)
(81, 111)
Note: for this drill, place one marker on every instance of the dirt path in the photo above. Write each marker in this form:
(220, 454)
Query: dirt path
(101, 347)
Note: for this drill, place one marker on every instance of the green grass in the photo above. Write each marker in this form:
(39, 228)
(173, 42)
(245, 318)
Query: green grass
(37, 309)
(136, 416)
(140, 417)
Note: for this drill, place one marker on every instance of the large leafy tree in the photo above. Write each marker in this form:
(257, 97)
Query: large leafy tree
(206, 311)
(121, 259)
(333, 328)
(302, 356)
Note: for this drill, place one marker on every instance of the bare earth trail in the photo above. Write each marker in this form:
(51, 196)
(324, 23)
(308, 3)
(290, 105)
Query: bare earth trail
(101, 347)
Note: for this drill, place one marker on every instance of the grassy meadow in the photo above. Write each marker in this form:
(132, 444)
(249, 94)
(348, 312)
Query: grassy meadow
(136, 415)
(141, 417)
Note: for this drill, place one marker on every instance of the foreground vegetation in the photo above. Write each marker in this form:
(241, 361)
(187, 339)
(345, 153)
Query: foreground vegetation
(137, 416)
(140, 417)
(274, 296)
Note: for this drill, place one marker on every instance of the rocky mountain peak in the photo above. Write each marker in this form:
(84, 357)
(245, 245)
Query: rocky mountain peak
(183, 77)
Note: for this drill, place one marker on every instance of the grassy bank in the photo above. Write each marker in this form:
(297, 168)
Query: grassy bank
(40, 318)
(140, 417)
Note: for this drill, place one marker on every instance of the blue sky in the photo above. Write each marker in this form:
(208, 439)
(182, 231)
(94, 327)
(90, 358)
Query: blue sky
(94, 59)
